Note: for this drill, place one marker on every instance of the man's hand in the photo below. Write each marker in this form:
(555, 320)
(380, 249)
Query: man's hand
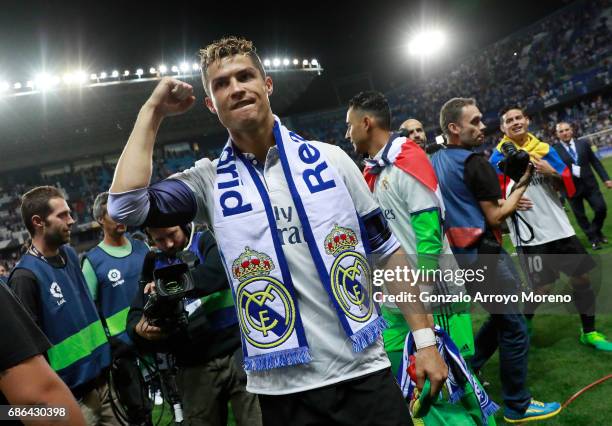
(429, 364)
(524, 204)
(608, 184)
(171, 97)
(526, 178)
(543, 167)
(148, 331)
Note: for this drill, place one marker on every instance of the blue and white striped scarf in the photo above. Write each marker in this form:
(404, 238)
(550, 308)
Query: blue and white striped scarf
(450, 354)
(267, 307)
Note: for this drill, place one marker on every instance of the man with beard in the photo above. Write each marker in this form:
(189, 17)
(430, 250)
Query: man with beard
(415, 131)
(112, 271)
(50, 284)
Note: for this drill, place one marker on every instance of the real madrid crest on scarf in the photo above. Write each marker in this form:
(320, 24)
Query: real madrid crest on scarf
(270, 323)
(350, 274)
(266, 311)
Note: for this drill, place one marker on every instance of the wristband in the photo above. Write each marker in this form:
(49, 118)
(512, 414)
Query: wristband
(423, 338)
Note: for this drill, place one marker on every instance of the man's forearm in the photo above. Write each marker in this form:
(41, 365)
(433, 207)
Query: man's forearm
(135, 165)
(414, 312)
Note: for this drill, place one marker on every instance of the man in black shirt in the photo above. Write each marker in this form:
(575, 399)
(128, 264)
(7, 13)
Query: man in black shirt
(25, 376)
(474, 213)
(49, 282)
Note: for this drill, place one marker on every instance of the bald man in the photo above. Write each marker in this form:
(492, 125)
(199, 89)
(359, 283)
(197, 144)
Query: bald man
(415, 131)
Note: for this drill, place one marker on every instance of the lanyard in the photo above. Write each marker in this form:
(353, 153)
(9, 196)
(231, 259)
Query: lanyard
(35, 252)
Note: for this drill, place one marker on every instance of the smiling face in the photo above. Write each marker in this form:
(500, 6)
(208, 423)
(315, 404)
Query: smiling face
(514, 124)
(357, 130)
(239, 93)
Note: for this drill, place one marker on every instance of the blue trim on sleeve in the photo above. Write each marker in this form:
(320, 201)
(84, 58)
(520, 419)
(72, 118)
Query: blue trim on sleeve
(377, 229)
(172, 203)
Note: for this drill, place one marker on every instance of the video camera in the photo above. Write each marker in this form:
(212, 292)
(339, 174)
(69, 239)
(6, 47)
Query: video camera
(166, 306)
(515, 161)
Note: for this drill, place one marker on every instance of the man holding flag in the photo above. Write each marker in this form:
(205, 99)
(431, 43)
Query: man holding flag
(543, 232)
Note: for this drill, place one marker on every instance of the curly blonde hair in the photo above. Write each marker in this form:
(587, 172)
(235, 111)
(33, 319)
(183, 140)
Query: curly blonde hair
(224, 48)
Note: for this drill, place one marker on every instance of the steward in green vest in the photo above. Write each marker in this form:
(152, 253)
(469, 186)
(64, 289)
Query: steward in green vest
(49, 282)
(112, 271)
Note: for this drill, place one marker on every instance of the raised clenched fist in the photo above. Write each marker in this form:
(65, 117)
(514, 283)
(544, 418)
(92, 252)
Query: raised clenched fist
(171, 97)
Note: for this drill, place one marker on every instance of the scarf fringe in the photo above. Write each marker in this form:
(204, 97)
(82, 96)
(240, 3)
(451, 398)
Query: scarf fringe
(271, 360)
(490, 409)
(368, 334)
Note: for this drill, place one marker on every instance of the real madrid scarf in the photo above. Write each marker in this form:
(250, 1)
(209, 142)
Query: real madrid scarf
(458, 373)
(537, 150)
(268, 312)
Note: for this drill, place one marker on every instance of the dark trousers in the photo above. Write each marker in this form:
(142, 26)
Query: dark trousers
(596, 201)
(505, 331)
(372, 400)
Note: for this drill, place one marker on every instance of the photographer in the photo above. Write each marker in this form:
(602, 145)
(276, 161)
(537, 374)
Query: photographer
(474, 214)
(544, 232)
(207, 349)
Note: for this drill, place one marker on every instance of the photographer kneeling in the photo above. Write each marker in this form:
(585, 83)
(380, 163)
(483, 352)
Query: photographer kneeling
(202, 334)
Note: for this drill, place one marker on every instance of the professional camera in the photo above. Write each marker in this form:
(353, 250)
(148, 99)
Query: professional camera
(515, 161)
(166, 306)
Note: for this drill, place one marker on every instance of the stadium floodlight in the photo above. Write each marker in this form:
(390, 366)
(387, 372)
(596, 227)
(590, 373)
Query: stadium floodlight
(267, 62)
(276, 62)
(286, 62)
(93, 76)
(163, 69)
(152, 70)
(184, 67)
(314, 63)
(30, 84)
(174, 68)
(126, 73)
(80, 76)
(115, 74)
(68, 78)
(195, 66)
(139, 72)
(44, 81)
(305, 63)
(4, 86)
(296, 62)
(103, 75)
(17, 86)
(426, 43)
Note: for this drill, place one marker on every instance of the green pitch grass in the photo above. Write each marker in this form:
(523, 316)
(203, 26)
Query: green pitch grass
(559, 365)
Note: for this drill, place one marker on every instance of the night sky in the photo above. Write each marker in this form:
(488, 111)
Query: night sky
(346, 37)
